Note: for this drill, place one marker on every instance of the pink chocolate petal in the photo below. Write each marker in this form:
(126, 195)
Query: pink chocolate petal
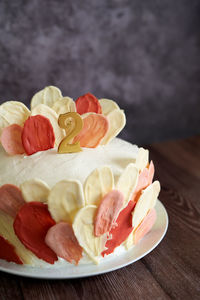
(61, 239)
(11, 199)
(11, 139)
(108, 211)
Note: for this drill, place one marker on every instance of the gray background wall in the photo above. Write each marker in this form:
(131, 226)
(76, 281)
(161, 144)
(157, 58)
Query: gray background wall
(144, 54)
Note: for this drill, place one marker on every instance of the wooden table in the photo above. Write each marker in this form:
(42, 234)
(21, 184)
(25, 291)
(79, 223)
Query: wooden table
(171, 271)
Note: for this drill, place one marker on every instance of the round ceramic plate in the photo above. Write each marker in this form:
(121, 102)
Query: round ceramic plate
(120, 259)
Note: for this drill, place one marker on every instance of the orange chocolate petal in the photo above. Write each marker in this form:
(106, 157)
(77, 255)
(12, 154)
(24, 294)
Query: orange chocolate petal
(61, 239)
(124, 227)
(88, 103)
(144, 180)
(108, 211)
(31, 225)
(94, 129)
(11, 199)
(11, 139)
(151, 172)
(145, 226)
(7, 252)
(37, 134)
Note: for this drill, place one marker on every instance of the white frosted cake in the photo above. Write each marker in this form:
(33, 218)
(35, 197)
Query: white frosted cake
(69, 189)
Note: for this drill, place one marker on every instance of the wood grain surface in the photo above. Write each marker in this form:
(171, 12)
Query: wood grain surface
(171, 271)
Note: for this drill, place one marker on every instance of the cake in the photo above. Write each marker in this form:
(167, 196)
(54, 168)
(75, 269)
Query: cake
(69, 188)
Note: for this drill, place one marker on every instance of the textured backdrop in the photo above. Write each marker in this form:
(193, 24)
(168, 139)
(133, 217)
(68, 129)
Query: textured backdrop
(144, 54)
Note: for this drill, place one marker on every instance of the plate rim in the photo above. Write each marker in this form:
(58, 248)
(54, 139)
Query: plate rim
(27, 274)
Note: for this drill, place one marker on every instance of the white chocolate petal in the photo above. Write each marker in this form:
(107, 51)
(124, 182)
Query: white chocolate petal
(142, 159)
(156, 191)
(35, 190)
(129, 242)
(13, 112)
(97, 184)
(83, 227)
(48, 96)
(117, 121)
(108, 106)
(64, 105)
(49, 113)
(65, 198)
(146, 202)
(7, 231)
(127, 182)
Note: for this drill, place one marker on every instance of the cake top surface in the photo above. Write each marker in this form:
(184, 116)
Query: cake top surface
(53, 167)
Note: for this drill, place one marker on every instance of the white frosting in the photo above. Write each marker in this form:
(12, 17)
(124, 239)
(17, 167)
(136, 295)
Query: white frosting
(53, 167)
(85, 260)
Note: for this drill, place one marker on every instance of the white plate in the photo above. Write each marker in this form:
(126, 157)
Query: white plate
(121, 258)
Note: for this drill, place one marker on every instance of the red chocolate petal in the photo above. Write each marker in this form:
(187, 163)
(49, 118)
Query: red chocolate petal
(61, 239)
(108, 212)
(37, 134)
(124, 227)
(7, 252)
(31, 225)
(94, 129)
(11, 139)
(88, 103)
(11, 199)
